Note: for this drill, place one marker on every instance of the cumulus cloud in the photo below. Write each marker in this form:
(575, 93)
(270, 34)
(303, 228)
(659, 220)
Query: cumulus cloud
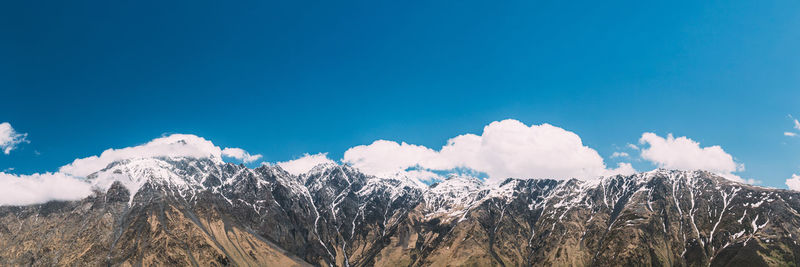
(505, 149)
(619, 155)
(683, 153)
(790, 134)
(632, 146)
(9, 138)
(794, 182)
(305, 163)
(796, 124)
(40, 188)
(240, 154)
(686, 154)
(175, 145)
(387, 158)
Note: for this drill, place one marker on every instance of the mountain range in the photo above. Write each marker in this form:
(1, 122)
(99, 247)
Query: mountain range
(182, 211)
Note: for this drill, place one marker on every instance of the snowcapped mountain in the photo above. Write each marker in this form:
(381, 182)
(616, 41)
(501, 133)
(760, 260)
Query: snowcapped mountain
(188, 211)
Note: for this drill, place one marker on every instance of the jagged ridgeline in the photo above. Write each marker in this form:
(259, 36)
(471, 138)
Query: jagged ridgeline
(181, 211)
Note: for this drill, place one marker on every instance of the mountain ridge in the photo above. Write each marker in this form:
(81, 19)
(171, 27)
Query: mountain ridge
(183, 211)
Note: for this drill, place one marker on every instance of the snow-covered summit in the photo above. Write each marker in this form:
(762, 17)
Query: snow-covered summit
(134, 173)
(453, 196)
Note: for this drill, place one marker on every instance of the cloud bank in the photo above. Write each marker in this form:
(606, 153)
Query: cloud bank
(505, 149)
(40, 188)
(9, 138)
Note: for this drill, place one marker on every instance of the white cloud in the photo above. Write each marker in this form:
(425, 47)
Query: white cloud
(9, 139)
(683, 153)
(619, 155)
(240, 154)
(388, 158)
(420, 176)
(632, 146)
(305, 163)
(67, 184)
(794, 182)
(40, 188)
(796, 126)
(175, 145)
(623, 168)
(506, 148)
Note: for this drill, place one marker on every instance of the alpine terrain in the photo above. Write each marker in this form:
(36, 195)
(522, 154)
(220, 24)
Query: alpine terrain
(183, 211)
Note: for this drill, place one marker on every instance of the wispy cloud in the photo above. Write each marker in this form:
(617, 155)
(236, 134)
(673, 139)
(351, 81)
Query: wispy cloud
(796, 126)
(620, 155)
(10, 139)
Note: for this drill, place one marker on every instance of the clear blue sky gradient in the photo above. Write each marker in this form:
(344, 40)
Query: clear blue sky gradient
(282, 78)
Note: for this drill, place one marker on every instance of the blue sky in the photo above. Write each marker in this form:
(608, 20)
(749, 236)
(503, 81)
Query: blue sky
(286, 78)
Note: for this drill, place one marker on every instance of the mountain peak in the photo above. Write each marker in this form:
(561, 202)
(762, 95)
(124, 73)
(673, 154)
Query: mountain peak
(341, 216)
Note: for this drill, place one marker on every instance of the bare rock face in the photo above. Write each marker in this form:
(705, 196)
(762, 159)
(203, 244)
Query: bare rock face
(117, 193)
(180, 211)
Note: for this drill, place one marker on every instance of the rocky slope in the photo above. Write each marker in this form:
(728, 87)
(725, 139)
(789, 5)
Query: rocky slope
(183, 211)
